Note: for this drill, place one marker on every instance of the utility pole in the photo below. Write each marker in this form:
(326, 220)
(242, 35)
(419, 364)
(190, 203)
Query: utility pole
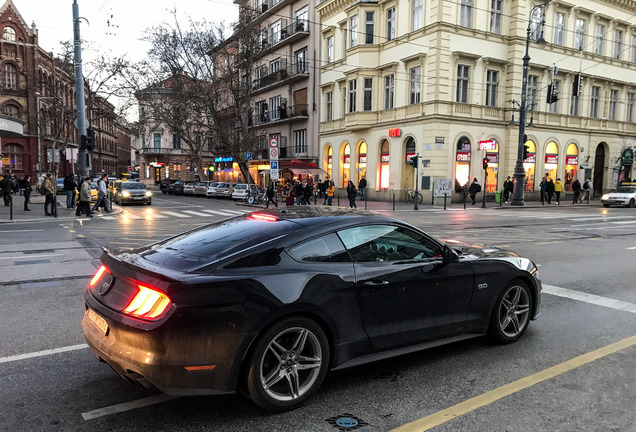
(82, 154)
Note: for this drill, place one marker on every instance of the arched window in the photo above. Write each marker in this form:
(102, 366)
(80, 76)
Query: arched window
(571, 165)
(346, 165)
(10, 76)
(551, 160)
(11, 110)
(14, 153)
(384, 164)
(362, 159)
(529, 164)
(8, 34)
(328, 152)
(462, 163)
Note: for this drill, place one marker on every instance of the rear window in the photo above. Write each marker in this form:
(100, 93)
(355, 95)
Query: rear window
(214, 242)
(223, 185)
(240, 186)
(201, 184)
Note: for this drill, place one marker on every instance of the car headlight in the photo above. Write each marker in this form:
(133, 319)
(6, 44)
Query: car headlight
(148, 193)
(125, 194)
(605, 197)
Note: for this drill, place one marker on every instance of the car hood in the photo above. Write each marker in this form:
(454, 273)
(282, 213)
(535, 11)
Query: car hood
(477, 251)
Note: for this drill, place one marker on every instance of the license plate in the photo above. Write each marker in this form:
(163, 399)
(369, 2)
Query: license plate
(138, 197)
(98, 321)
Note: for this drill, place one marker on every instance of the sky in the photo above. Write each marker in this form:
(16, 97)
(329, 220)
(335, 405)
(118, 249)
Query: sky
(115, 27)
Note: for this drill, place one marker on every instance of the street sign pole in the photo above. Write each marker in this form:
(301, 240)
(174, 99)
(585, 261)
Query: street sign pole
(82, 157)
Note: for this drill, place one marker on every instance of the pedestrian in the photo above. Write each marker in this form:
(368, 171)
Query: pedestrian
(308, 192)
(587, 187)
(5, 186)
(49, 198)
(474, 189)
(84, 198)
(543, 187)
(270, 195)
(558, 189)
(319, 188)
(330, 191)
(508, 188)
(325, 186)
(298, 193)
(362, 185)
(352, 192)
(70, 189)
(26, 191)
(549, 190)
(102, 199)
(576, 188)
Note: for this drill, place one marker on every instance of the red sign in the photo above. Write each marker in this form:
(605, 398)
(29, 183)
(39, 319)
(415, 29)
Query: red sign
(329, 160)
(532, 158)
(552, 159)
(463, 157)
(362, 159)
(394, 133)
(384, 158)
(408, 157)
(571, 160)
(488, 145)
(493, 158)
(347, 159)
(273, 142)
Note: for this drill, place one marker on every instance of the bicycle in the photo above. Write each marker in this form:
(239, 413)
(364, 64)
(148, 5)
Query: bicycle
(410, 196)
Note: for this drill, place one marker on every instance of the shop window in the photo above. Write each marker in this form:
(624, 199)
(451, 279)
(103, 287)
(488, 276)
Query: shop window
(11, 110)
(529, 165)
(493, 168)
(384, 165)
(330, 162)
(571, 165)
(462, 163)
(362, 160)
(14, 153)
(346, 165)
(551, 160)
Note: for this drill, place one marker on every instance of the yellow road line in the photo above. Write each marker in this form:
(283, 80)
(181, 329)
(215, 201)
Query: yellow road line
(72, 231)
(485, 399)
(552, 242)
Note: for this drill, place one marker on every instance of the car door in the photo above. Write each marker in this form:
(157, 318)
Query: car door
(407, 292)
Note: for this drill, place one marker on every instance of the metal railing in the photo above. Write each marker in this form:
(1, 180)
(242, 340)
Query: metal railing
(296, 27)
(281, 75)
(281, 113)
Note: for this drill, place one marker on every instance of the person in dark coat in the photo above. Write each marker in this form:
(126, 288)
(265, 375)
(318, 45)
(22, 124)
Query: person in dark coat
(270, 194)
(362, 185)
(298, 193)
(474, 189)
(576, 188)
(5, 185)
(549, 189)
(308, 191)
(508, 188)
(26, 190)
(351, 194)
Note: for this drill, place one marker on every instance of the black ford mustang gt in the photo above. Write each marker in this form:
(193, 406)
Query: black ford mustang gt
(269, 302)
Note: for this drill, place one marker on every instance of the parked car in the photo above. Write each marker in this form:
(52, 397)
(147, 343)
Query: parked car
(241, 190)
(211, 188)
(201, 188)
(270, 301)
(223, 190)
(59, 186)
(176, 188)
(131, 192)
(188, 189)
(163, 185)
(624, 196)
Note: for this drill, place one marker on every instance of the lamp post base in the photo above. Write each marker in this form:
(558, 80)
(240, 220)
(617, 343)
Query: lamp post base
(519, 175)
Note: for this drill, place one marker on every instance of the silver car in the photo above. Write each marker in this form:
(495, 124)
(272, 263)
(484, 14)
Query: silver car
(624, 195)
(188, 189)
(223, 190)
(210, 191)
(201, 188)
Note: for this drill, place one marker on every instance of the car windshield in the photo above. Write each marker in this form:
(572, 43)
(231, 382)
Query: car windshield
(211, 243)
(626, 189)
(132, 185)
(201, 184)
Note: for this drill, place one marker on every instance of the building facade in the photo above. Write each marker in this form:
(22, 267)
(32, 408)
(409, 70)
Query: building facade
(444, 80)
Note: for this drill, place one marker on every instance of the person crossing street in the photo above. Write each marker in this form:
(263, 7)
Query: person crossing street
(101, 195)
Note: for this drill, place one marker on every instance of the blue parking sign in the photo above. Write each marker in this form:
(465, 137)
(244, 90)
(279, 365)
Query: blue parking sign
(273, 165)
(248, 156)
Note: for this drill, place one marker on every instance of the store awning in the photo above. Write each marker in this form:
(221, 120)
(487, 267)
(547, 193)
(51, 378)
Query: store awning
(306, 171)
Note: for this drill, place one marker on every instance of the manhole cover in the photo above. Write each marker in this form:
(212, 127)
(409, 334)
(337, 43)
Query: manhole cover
(346, 422)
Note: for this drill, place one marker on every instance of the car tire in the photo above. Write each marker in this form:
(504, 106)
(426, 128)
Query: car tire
(512, 312)
(288, 364)
(631, 203)
(605, 205)
(164, 192)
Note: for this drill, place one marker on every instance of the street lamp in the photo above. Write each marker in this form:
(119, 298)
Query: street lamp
(519, 172)
(39, 167)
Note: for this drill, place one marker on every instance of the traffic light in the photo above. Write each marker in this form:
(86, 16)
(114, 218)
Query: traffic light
(576, 85)
(525, 152)
(414, 160)
(553, 94)
(90, 139)
(485, 163)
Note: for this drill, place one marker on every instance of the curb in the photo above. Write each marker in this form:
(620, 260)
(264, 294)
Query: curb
(49, 218)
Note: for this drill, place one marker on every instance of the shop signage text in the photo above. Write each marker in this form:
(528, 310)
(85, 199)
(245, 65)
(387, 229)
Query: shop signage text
(394, 132)
(384, 158)
(488, 145)
(571, 160)
(532, 158)
(347, 159)
(552, 159)
(363, 159)
(408, 157)
(628, 157)
(463, 157)
(493, 158)
(223, 159)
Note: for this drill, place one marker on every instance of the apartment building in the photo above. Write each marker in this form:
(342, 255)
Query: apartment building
(444, 80)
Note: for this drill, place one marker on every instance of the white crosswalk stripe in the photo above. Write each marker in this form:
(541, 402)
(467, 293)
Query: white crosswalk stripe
(196, 213)
(108, 217)
(132, 216)
(237, 211)
(175, 214)
(157, 216)
(219, 213)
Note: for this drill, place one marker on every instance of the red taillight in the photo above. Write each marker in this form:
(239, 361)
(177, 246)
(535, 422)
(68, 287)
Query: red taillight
(263, 217)
(149, 303)
(97, 276)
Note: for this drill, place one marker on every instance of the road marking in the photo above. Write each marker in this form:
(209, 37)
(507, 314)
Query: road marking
(550, 242)
(127, 406)
(156, 216)
(15, 231)
(30, 256)
(237, 212)
(488, 398)
(631, 248)
(221, 213)
(108, 217)
(132, 216)
(197, 213)
(42, 353)
(590, 298)
(624, 222)
(175, 214)
(598, 218)
(72, 231)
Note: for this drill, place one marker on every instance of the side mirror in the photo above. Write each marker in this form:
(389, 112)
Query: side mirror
(449, 254)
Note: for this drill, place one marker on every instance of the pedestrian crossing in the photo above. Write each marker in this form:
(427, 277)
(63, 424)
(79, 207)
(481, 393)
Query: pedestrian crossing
(157, 213)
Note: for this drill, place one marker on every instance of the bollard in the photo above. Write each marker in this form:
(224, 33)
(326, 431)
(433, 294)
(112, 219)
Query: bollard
(465, 194)
(315, 197)
(10, 207)
(365, 201)
(444, 201)
(338, 200)
(500, 200)
(393, 201)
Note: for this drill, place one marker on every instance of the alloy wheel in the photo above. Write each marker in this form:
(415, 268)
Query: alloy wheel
(514, 311)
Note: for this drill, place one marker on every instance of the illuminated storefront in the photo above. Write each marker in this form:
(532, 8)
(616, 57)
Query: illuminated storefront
(571, 165)
(385, 168)
(492, 154)
(462, 163)
(362, 160)
(529, 164)
(330, 162)
(346, 165)
(551, 160)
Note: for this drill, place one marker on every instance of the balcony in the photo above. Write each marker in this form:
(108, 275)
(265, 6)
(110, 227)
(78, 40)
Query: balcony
(263, 152)
(288, 75)
(281, 114)
(291, 33)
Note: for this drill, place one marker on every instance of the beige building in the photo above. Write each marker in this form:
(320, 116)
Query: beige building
(435, 77)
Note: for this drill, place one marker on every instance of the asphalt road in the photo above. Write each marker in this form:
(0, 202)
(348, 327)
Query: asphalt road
(585, 256)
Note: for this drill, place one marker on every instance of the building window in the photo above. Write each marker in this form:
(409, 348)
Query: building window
(143, 141)
(618, 43)
(301, 19)
(8, 34)
(368, 93)
(274, 105)
(418, 14)
(600, 38)
(574, 105)
(466, 14)
(11, 110)
(495, 16)
(353, 29)
(369, 28)
(613, 102)
(330, 49)
(274, 32)
(300, 142)
(492, 84)
(10, 76)
(388, 91)
(156, 139)
(14, 153)
(579, 39)
(463, 74)
(533, 86)
(415, 76)
(390, 23)
(176, 141)
(329, 106)
(559, 25)
(210, 144)
(301, 62)
(536, 24)
(274, 66)
(634, 49)
(343, 92)
(596, 93)
(556, 87)
(629, 112)
(353, 86)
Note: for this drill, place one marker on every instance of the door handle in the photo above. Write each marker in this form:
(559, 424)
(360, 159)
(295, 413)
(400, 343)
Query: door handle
(376, 282)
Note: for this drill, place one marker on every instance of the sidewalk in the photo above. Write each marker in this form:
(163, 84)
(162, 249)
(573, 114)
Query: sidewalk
(36, 204)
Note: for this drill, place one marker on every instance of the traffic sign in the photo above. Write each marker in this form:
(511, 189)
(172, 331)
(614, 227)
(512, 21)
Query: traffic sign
(273, 154)
(248, 156)
(273, 165)
(273, 142)
(191, 169)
